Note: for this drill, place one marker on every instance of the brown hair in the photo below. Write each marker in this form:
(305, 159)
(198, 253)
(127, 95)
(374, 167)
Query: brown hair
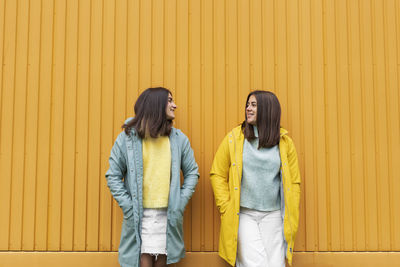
(268, 119)
(150, 114)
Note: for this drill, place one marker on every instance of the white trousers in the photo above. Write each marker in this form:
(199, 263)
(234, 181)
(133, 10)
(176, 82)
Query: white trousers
(260, 239)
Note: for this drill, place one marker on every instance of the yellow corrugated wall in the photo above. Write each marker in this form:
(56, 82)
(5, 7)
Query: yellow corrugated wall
(71, 71)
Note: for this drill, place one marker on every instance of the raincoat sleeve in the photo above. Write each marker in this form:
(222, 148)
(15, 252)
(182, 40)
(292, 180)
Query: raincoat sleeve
(294, 165)
(190, 172)
(115, 175)
(219, 175)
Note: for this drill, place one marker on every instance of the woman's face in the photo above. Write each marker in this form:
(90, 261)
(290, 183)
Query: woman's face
(170, 111)
(251, 110)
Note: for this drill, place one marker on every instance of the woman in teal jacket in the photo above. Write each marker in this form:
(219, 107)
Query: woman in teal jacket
(126, 172)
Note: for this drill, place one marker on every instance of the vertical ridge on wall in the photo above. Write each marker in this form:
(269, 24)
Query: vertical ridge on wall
(393, 111)
(82, 130)
(385, 229)
(45, 63)
(107, 140)
(132, 55)
(3, 182)
(280, 22)
(145, 45)
(7, 98)
(104, 197)
(116, 214)
(157, 43)
(243, 58)
(268, 46)
(31, 121)
(369, 125)
(340, 201)
(169, 51)
(306, 81)
(2, 41)
(255, 44)
(356, 126)
(330, 126)
(194, 131)
(94, 107)
(389, 48)
(18, 131)
(56, 135)
(337, 226)
(344, 139)
(317, 102)
(391, 78)
(208, 122)
(69, 119)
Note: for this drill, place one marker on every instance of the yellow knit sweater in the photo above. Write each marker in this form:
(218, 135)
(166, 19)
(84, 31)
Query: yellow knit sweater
(156, 171)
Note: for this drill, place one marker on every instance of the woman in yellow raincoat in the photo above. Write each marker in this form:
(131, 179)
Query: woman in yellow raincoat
(256, 182)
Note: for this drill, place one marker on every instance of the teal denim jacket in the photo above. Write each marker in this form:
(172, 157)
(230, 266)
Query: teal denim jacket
(125, 180)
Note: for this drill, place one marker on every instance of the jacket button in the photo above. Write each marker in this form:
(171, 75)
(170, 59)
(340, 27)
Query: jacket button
(233, 164)
(237, 213)
(236, 188)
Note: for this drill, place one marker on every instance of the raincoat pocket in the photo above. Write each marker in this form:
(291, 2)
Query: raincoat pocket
(128, 213)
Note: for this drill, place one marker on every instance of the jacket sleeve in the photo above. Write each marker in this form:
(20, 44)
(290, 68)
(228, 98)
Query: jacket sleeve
(219, 175)
(294, 165)
(115, 175)
(190, 172)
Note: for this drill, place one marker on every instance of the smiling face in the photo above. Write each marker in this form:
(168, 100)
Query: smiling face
(170, 110)
(251, 110)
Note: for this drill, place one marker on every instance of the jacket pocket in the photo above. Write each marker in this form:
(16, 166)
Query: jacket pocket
(224, 207)
(176, 218)
(227, 208)
(128, 212)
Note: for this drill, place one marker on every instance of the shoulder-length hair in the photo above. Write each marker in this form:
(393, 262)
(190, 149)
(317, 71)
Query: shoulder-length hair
(150, 114)
(268, 119)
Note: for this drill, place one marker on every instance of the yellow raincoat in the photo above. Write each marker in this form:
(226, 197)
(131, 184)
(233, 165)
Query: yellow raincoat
(226, 175)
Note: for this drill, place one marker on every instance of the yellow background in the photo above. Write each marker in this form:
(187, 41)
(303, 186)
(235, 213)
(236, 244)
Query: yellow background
(71, 71)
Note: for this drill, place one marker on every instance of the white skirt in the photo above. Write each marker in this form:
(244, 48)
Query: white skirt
(154, 231)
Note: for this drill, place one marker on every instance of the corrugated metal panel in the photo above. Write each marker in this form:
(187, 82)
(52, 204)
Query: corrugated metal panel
(71, 71)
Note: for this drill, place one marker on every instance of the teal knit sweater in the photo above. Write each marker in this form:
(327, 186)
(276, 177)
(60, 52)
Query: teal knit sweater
(260, 177)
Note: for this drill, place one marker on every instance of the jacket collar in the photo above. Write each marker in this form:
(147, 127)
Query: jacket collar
(239, 134)
(283, 131)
